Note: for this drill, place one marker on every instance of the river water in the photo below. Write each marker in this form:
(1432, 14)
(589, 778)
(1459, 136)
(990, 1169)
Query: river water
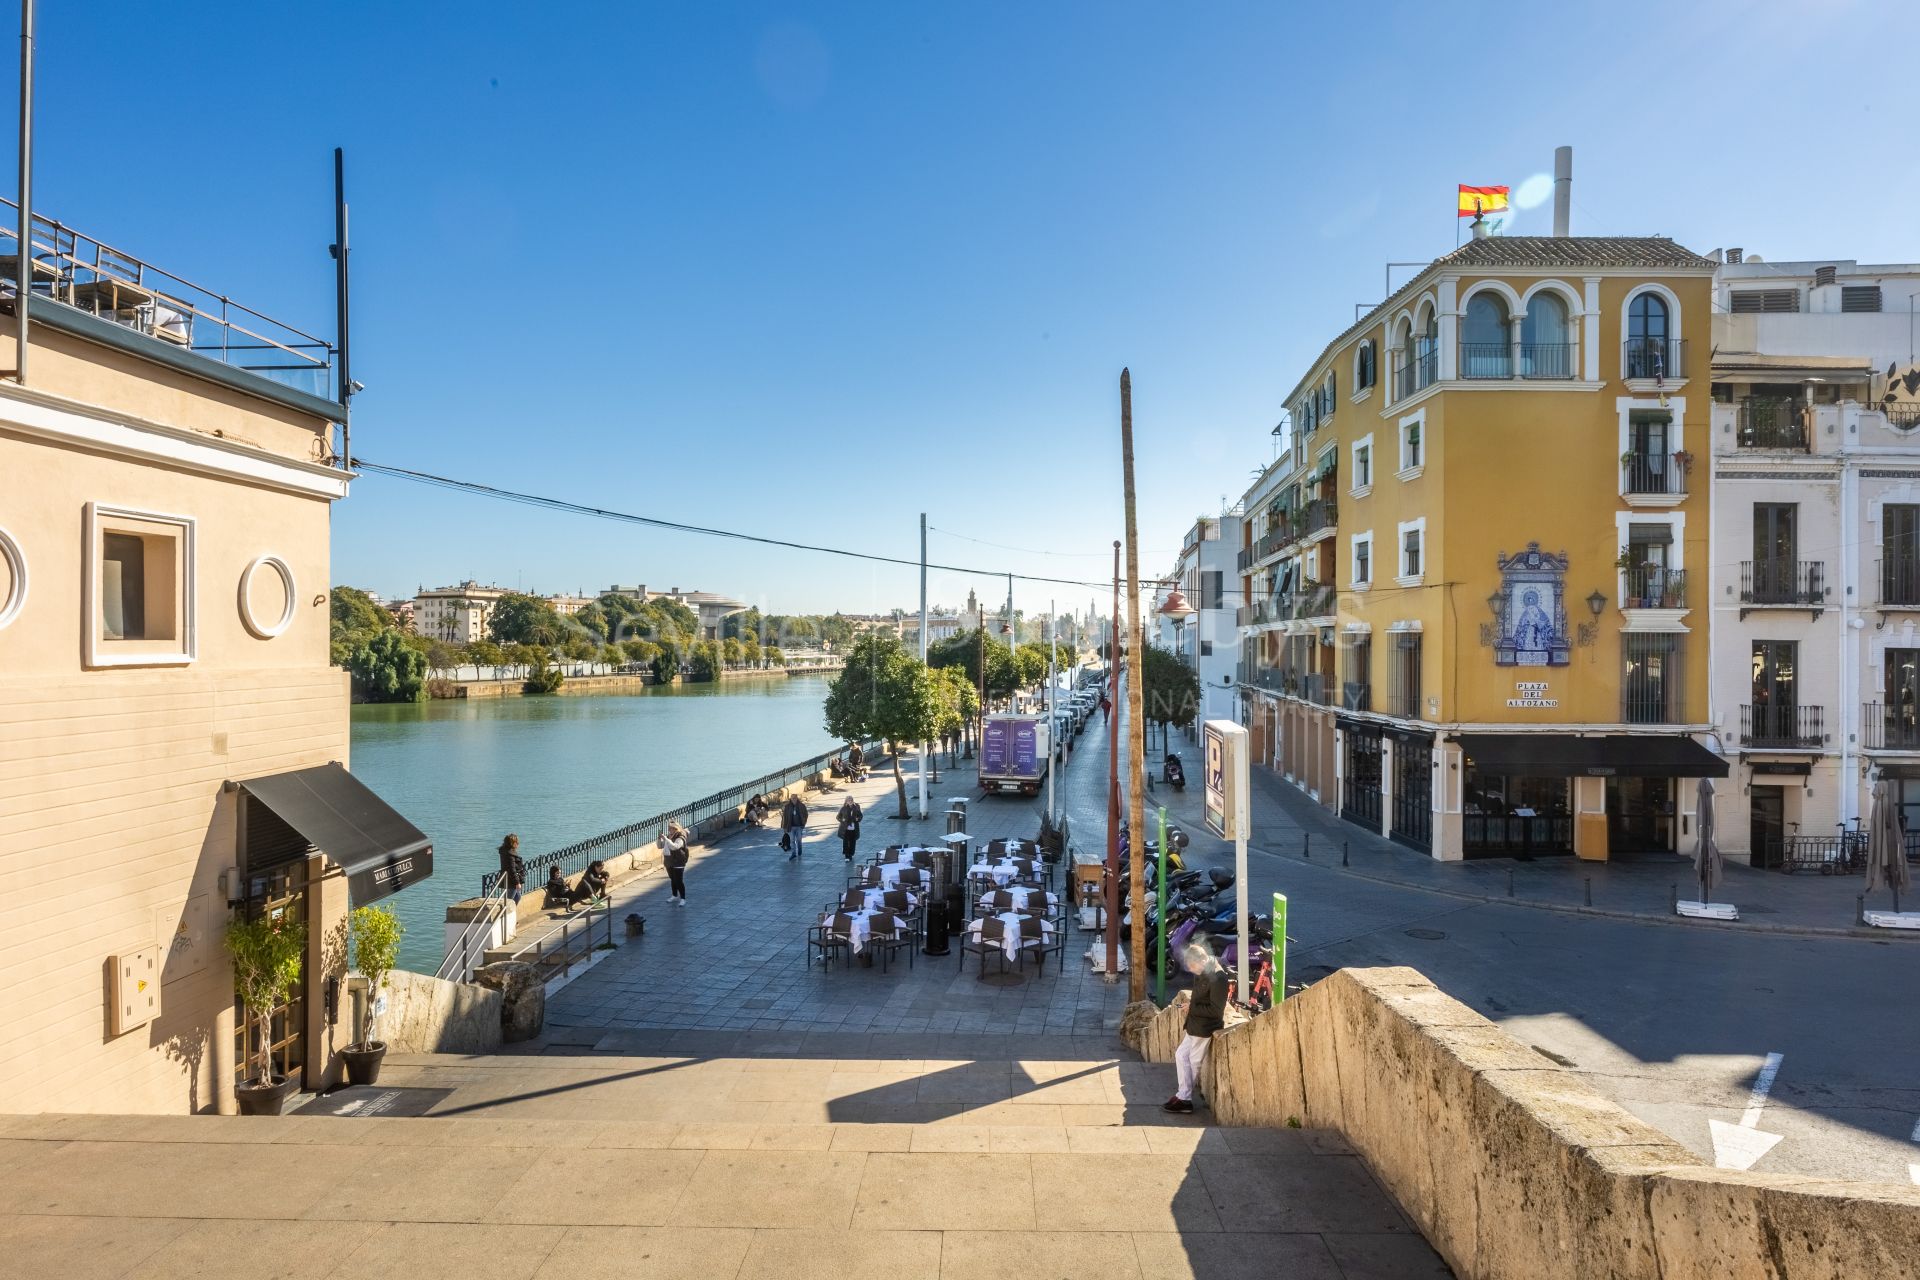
(559, 769)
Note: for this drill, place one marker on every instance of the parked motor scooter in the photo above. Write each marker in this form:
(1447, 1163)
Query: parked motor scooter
(1174, 771)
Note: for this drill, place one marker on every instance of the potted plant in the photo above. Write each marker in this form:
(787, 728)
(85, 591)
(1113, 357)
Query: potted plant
(375, 933)
(1684, 458)
(267, 955)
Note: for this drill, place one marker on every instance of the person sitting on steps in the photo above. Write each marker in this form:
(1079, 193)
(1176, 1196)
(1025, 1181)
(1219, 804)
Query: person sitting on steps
(592, 886)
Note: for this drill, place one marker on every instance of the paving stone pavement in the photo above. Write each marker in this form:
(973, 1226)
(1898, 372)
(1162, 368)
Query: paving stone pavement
(558, 1167)
(735, 957)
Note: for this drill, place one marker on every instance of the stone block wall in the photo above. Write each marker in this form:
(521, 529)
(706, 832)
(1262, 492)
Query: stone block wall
(1512, 1167)
(429, 1015)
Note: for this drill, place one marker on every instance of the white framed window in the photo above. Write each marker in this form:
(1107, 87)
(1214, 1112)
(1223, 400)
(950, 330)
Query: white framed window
(1413, 445)
(1412, 552)
(1361, 560)
(139, 587)
(1362, 468)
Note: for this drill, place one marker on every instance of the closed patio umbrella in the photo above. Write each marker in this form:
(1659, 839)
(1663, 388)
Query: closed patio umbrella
(1706, 853)
(1886, 849)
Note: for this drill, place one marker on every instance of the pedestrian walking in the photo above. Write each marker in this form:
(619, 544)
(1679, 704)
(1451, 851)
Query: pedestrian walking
(513, 867)
(793, 825)
(849, 819)
(1206, 1014)
(673, 856)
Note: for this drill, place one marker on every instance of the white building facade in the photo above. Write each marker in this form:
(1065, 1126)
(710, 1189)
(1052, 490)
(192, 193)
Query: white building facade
(1208, 639)
(1815, 551)
(457, 615)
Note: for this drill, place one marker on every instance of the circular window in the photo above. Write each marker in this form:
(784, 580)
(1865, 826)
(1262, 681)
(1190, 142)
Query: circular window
(248, 614)
(13, 578)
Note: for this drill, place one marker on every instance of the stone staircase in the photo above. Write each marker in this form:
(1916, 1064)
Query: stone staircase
(577, 1161)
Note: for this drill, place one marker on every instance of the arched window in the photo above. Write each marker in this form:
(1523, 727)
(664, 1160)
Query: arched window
(1363, 366)
(1648, 345)
(1546, 342)
(1429, 349)
(1484, 349)
(1327, 394)
(1406, 357)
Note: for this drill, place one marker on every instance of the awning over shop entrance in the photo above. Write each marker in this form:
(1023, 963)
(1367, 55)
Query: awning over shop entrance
(1566, 755)
(380, 851)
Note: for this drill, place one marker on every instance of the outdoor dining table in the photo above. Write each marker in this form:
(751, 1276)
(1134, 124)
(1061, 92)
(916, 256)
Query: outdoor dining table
(1027, 899)
(1000, 872)
(1010, 941)
(890, 872)
(862, 922)
(909, 856)
(877, 898)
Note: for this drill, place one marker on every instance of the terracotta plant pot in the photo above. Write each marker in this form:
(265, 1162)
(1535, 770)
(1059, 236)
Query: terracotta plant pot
(264, 1099)
(363, 1062)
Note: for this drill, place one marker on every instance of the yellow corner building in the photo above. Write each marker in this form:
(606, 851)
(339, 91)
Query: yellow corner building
(1468, 622)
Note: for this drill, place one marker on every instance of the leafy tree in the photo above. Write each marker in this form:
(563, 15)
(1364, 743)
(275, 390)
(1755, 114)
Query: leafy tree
(1170, 690)
(441, 655)
(355, 619)
(375, 935)
(750, 650)
(835, 632)
(526, 656)
(387, 669)
(666, 663)
(732, 652)
(959, 701)
(640, 650)
(544, 674)
(486, 653)
(523, 619)
(1030, 663)
(579, 647)
(740, 626)
(963, 649)
(884, 693)
(594, 621)
(774, 656)
(703, 663)
(268, 952)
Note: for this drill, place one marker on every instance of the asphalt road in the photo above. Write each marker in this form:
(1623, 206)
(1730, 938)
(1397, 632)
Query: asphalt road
(1673, 1022)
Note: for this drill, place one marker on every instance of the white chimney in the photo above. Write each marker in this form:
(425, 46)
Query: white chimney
(1562, 190)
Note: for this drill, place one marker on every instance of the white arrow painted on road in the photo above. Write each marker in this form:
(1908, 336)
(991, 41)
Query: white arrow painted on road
(1738, 1146)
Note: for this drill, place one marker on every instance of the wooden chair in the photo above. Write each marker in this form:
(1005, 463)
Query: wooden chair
(997, 901)
(830, 936)
(854, 900)
(912, 878)
(886, 937)
(890, 854)
(865, 878)
(897, 901)
(993, 932)
(1034, 940)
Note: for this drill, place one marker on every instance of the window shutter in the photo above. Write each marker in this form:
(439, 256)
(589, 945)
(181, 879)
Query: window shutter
(1748, 301)
(1860, 297)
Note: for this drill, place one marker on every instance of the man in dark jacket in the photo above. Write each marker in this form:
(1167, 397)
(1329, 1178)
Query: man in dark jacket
(793, 821)
(849, 819)
(1206, 1014)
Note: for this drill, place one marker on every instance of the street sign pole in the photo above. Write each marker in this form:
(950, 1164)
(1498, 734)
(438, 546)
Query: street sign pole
(1279, 947)
(1160, 915)
(1226, 815)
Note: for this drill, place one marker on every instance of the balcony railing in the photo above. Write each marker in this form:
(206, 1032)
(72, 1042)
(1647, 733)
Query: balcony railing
(1652, 700)
(1546, 359)
(1259, 612)
(1646, 475)
(1414, 375)
(1652, 587)
(1772, 423)
(1319, 516)
(1317, 688)
(1891, 726)
(1486, 360)
(1356, 695)
(1899, 582)
(87, 275)
(1243, 558)
(1315, 600)
(1781, 725)
(1655, 358)
(1902, 417)
(1801, 583)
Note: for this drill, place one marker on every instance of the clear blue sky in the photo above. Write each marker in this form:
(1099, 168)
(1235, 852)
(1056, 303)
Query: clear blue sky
(808, 270)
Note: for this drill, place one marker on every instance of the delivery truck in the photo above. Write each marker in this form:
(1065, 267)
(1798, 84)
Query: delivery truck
(1013, 753)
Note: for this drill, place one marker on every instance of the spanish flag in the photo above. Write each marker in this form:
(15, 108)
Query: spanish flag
(1475, 201)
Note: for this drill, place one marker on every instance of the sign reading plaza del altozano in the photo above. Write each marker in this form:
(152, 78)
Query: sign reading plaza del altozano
(1531, 693)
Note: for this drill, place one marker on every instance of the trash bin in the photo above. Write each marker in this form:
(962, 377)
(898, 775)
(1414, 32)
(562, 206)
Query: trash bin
(937, 926)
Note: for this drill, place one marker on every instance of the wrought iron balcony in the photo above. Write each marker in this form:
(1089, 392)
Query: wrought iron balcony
(1782, 725)
(1314, 600)
(1486, 360)
(1891, 726)
(1654, 475)
(1899, 582)
(1659, 359)
(1772, 423)
(1801, 584)
(1547, 359)
(1414, 375)
(1319, 516)
(1652, 587)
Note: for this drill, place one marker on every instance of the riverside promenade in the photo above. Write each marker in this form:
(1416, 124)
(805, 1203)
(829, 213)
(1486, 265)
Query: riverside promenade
(705, 1104)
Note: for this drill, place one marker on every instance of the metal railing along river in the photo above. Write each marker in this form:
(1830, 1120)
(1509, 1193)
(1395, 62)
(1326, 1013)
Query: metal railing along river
(687, 815)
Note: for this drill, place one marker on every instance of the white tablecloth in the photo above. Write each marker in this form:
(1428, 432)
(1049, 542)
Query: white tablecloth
(1010, 942)
(1029, 899)
(1000, 871)
(876, 899)
(905, 856)
(890, 873)
(863, 927)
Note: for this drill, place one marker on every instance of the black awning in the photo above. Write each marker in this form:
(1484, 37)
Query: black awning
(1566, 755)
(355, 829)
